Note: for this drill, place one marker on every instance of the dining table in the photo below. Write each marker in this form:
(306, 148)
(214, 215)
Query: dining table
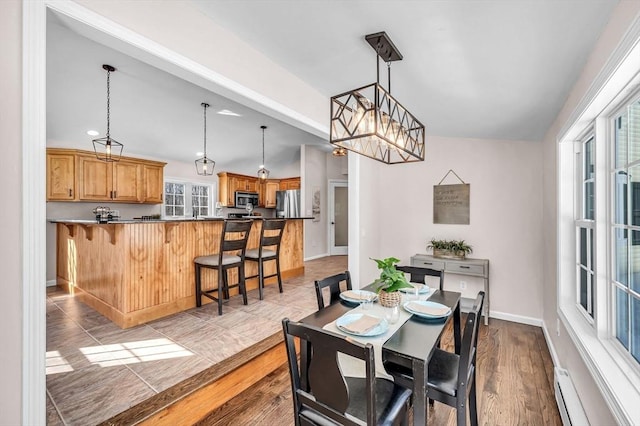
(408, 346)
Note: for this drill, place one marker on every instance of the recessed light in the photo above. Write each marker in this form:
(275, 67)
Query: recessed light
(93, 132)
(199, 154)
(227, 112)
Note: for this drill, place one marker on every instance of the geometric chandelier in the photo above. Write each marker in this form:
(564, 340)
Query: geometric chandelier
(371, 122)
(108, 149)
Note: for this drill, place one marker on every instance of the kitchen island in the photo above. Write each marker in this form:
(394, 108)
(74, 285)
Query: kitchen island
(134, 272)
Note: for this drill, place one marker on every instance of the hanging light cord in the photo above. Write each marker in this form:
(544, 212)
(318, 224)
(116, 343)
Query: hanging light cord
(205, 131)
(263, 147)
(108, 104)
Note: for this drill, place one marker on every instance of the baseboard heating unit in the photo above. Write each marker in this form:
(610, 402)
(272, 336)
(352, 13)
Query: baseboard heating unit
(569, 404)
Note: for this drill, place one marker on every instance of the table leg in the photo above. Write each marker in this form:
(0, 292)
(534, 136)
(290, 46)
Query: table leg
(420, 390)
(456, 329)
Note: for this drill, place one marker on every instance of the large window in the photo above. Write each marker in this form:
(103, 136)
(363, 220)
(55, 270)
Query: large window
(625, 229)
(187, 199)
(585, 226)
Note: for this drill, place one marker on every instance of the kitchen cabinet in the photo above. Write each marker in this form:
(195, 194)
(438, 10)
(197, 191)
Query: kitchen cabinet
(129, 180)
(61, 178)
(270, 188)
(289, 183)
(229, 183)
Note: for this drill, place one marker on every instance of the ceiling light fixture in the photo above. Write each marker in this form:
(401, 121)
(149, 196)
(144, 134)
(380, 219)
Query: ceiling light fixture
(205, 165)
(263, 173)
(108, 149)
(371, 122)
(230, 113)
(93, 132)
(339, 152)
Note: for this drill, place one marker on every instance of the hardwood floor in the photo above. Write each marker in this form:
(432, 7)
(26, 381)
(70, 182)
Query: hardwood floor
(515, 385)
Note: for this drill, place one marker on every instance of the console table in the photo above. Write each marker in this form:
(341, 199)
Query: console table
(472, 267)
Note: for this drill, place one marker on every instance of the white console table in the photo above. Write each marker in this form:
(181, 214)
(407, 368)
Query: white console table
(472, 267)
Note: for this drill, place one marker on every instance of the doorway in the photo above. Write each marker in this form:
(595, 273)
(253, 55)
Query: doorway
(338, 217)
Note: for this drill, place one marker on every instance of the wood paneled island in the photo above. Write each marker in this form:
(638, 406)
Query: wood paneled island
(133, 272)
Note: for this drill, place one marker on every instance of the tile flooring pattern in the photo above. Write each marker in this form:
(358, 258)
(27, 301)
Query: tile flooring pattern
(96, 370)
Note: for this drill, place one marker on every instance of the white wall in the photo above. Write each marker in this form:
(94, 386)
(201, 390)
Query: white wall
(10, 216)
(505, 216)
(567, 354)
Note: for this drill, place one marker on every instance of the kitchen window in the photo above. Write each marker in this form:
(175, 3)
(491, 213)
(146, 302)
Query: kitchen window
(187, 199)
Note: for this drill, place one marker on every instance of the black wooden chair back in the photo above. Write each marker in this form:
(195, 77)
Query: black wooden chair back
(329, 396)
(418, 274)
(235, 234)
(271, 234)
(333, 283)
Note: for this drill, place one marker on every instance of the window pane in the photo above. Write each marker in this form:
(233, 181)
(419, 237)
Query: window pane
(622, 317)
(591, 251)
(588, 200)
(168, 188)
(204, 190)
(621, 198)
(633, 135)
(634, 260)
(621, 256)
(621, 141)
(584, 285)
(168, 211)
(170, 200)
(635, 328)
(195, 202)
(179, 200)
(179, 211)
(583, 247)
(179, 188)
(204, 211)
(588, 160)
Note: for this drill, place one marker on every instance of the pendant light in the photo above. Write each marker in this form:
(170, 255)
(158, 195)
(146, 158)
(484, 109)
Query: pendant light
(108, 149)
(205, 165)
(263, 173)
(371, 122)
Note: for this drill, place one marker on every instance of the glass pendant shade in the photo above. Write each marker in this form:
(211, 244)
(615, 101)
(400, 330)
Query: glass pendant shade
(107, 148)
(371, 122)
(263, 173)
(205, 165)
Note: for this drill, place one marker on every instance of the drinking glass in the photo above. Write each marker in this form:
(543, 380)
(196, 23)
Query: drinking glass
(366, 302)
(392, 315)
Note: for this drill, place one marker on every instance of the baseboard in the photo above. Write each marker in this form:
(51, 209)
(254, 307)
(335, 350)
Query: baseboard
(52, 283)
(318, 256)
(516, 318)
(552, 349)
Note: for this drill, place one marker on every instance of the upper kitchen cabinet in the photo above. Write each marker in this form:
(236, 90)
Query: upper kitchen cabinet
(289, 183)
(229, 183)
(129, 180)
(61, 178)
(269, 193)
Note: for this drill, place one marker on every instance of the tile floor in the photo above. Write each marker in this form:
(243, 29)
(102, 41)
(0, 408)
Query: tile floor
(96, 370)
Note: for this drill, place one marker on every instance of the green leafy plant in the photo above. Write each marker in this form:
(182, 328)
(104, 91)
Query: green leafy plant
(390, 279)
(454, 246)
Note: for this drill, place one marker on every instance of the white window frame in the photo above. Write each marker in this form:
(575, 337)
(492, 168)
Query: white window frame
(615, 372)
(188, 207)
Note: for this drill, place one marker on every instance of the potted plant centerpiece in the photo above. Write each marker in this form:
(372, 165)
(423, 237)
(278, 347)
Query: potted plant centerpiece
(390, 281)
(452, 249)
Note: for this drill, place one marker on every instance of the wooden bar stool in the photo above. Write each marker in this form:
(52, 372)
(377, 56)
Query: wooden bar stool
(233, 246)
(269, 249)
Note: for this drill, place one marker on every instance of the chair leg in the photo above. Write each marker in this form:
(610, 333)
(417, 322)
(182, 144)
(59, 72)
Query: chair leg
(461, 411)
(278, 272)
(225, 283)
(260, 278)
(242, 283)
(473, 408)
(221, 288)
(198, 287)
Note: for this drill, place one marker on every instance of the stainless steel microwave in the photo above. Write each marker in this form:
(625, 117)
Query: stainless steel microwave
(244, 198)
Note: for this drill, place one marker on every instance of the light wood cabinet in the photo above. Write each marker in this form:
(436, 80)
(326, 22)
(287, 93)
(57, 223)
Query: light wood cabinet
(229, 183)
(129, 180)
(61, 177)
(270, 188)
(289, 183)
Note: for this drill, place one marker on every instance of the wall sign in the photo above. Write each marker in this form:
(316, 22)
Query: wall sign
(451, 202)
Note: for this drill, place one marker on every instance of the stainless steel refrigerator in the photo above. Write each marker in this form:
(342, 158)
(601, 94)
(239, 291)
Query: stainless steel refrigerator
(288, 203)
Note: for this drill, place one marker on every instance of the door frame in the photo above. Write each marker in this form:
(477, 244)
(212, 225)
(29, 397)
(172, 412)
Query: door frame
(334, 183)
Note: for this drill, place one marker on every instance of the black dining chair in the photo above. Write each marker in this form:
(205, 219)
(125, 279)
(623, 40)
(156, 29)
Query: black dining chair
(333, 283)
(452, 376)
(418, 274)
(233, 245)
(268, 249)
(323, 396)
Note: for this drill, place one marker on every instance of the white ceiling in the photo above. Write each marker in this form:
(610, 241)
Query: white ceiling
(497, 69)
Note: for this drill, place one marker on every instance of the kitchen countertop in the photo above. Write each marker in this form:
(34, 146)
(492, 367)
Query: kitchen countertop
(128, 221)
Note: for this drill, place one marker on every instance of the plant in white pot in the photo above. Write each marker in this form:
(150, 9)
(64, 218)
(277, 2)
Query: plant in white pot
(390, 281)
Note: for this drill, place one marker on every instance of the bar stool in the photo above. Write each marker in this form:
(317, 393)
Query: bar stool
(235, 234)
(270, 236)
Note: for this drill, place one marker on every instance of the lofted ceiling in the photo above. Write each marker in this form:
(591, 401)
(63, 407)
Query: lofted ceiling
(498, 69)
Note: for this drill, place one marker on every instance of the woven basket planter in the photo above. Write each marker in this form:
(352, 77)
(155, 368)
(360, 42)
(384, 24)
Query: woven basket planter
(389, 300)
(448, 254)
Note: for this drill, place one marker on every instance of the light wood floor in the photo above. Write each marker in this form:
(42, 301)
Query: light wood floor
(515, 385)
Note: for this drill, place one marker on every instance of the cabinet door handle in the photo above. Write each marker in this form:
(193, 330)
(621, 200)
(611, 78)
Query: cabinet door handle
(427, 263)
(70, 192)
(464, 267)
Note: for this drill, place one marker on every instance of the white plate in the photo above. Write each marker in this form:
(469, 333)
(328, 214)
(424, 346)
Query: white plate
(346, 319)
(428, 303)
(423, 289)
(359, 292)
